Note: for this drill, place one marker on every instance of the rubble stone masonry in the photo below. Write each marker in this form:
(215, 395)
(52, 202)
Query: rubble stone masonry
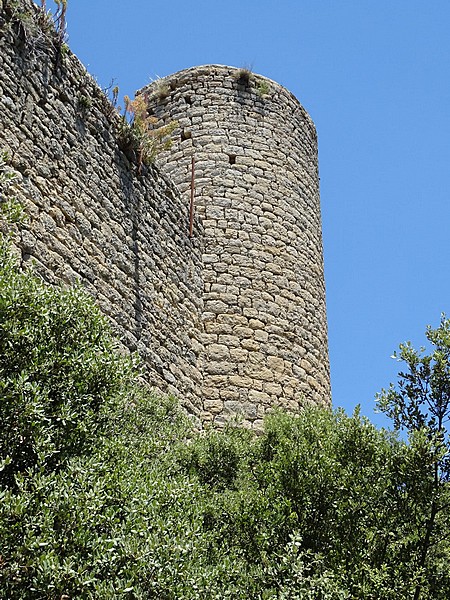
(257, 193)
(231, 319)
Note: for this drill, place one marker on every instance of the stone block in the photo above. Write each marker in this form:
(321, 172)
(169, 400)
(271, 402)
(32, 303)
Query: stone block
(238, 355)
(231, 341)
(249, 344)
(255, 324)
(235, 407)
(219, 367)
(218, 351)
(215, 306)
(273, 389)
(261, 335)
(218, 328)
(241, 381)
(259, 397)
(258, 372)
(243, 332)
(213, 406)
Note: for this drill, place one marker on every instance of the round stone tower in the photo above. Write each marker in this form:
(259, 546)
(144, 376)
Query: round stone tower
(254, 146)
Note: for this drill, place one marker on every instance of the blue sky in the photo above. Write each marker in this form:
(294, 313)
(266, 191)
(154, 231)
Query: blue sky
(375, 77)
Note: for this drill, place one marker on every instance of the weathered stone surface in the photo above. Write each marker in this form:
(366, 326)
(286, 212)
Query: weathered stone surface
(259, 193)
(231, 320)
(92, 218)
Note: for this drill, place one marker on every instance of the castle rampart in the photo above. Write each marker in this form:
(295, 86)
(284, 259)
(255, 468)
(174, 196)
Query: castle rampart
(231, 319)
(91, 218)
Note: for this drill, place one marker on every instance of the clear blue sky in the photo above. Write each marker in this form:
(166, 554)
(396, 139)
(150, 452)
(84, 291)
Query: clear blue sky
(375, 77)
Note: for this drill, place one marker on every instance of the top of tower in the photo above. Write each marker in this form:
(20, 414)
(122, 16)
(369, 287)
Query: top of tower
(243, 79)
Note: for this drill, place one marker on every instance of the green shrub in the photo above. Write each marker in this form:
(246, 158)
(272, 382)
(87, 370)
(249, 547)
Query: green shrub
(217, 458)
(106, 491)
(58, 371)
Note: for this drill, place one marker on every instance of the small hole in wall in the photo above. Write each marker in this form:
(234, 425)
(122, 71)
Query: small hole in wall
(232, 159)
(188, 100)
(185, 135)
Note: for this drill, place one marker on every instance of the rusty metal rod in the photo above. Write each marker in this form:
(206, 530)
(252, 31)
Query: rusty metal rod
(191, 208)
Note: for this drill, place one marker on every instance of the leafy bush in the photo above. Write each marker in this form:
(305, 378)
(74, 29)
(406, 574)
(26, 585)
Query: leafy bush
(58, 371)
(107, 492)
(324, 502)
(217, 459)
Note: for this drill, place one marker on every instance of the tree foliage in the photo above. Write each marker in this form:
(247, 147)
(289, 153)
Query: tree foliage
(421, 400)
(420, 404)
(106, 491)
(58, 371)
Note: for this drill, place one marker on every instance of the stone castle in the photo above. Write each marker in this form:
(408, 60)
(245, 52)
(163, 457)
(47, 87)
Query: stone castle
(209, 263)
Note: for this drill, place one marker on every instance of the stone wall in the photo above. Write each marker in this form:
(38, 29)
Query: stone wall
(91, 217)
(231, 319)
(256, 182)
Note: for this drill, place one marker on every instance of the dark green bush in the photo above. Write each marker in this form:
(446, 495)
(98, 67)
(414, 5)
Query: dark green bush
(107, 492)
(217, 458)
(58, 372)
